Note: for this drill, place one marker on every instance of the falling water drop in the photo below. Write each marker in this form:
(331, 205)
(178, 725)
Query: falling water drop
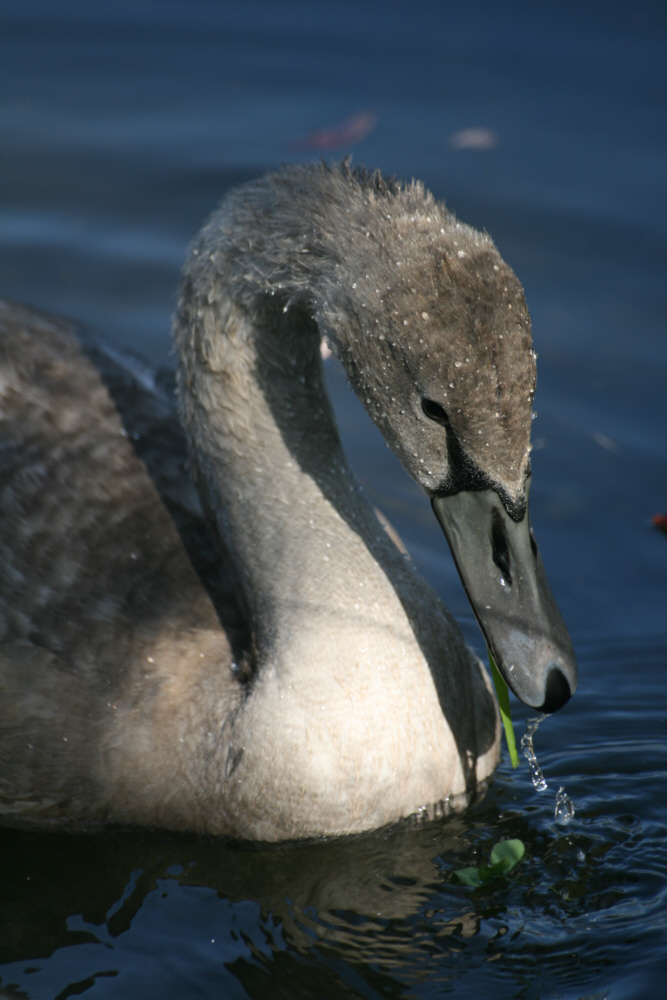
(529, 753)
(564, 808)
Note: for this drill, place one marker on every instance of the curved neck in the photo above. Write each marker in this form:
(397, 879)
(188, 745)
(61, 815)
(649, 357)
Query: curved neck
(269, 464)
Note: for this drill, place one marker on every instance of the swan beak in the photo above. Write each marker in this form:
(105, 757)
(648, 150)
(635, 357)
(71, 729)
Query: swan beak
(504, 577)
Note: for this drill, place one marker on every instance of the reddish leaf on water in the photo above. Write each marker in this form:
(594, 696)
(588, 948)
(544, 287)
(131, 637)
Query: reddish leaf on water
(660, 522)
(343, 134)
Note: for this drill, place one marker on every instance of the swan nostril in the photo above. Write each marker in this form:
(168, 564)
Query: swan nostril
(500, 547)
(557, 691)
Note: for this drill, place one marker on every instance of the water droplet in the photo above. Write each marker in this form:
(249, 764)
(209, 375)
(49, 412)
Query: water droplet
(529, 753)
(564, 808)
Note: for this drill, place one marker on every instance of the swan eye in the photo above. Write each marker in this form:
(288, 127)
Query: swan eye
(435, 412)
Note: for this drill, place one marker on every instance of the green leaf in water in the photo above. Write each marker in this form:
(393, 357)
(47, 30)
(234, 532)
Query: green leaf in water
(505, 856)
(504, 703)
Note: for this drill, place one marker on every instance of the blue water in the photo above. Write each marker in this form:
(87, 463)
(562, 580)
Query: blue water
(121, 126)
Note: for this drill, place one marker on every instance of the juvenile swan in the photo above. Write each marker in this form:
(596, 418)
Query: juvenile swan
(339, 694)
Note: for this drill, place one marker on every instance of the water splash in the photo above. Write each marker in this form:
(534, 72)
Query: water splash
(564, 806)
(564, 809)
(529, 753)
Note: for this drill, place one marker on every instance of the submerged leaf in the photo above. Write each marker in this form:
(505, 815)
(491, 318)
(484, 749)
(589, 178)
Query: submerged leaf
(469, 876)
(509, 852)
(505, 856)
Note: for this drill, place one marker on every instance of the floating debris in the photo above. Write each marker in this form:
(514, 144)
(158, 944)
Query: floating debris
(345, 133)
(481, 139)
(659, 521)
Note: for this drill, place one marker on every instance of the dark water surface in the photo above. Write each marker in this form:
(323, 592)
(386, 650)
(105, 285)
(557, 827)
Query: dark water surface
(121, 126)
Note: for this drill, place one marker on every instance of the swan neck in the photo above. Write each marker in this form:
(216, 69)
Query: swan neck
(268, 461)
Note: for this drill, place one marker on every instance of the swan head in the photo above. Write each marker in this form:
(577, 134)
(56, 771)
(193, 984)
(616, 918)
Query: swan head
(433, 330)
(438, 347)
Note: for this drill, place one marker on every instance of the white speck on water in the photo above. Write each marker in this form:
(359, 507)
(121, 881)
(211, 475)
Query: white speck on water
(604, 441)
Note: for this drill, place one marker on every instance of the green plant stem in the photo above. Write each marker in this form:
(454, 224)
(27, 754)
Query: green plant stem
(505, 714)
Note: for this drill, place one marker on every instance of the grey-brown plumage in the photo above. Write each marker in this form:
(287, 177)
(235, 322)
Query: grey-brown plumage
(302, 679)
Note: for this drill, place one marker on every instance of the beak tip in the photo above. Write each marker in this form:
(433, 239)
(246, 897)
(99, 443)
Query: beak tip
(557, 692)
